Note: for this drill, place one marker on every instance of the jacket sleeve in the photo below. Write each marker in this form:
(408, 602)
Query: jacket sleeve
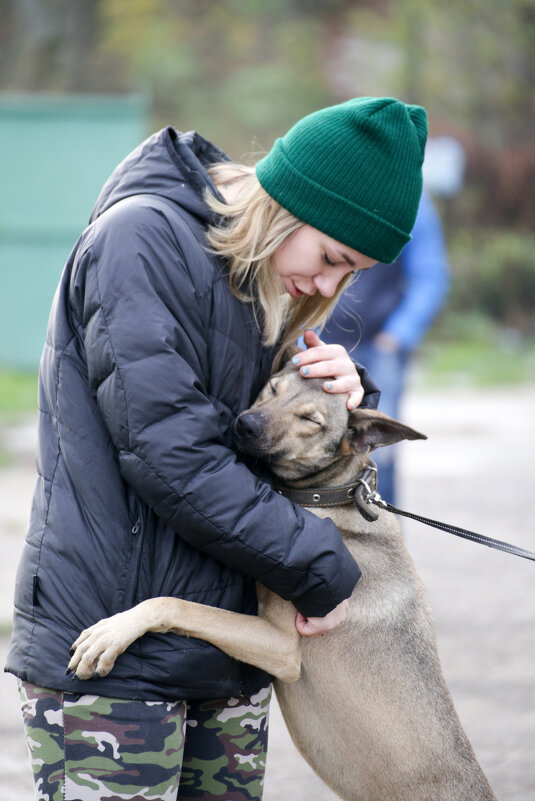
(372, 393)
(148, 367)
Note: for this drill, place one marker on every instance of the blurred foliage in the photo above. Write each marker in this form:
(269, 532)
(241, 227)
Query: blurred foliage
(239, 70)
(232, 70)
(486, 334)
(494, 270)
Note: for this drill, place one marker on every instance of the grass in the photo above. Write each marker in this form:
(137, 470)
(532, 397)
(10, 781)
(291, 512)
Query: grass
(476, 363)
(18, 398)
(18, 394)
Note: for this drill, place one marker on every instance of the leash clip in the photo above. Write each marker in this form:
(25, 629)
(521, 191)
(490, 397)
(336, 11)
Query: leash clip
(374, 497)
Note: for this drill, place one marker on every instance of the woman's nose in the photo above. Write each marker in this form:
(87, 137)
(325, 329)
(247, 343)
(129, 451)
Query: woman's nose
(327, 284)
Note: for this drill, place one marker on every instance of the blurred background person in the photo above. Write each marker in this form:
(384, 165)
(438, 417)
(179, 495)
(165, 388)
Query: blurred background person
(383, 316)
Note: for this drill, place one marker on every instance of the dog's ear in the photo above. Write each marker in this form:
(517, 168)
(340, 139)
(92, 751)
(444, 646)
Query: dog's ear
(288, 354)
(369, 429)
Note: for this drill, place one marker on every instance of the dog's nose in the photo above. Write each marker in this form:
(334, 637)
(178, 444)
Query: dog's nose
(249, 425)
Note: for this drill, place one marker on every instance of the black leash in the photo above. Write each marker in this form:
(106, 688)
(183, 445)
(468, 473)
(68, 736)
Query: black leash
(375, 498)
(363, 492)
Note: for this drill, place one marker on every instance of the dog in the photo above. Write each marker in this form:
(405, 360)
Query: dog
(366, 704)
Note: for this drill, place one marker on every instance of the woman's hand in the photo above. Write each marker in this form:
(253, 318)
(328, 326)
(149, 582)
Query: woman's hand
(330, 361)
(314, 626)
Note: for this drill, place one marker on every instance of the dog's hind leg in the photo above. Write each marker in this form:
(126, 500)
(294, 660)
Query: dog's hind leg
(270, 641)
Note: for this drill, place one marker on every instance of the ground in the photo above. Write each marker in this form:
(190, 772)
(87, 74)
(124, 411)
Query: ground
(474, 471)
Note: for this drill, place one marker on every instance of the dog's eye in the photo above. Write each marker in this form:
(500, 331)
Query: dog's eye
(273, 388)
(310, 418)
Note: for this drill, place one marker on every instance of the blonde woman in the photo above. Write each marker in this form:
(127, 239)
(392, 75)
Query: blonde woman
(191, 280)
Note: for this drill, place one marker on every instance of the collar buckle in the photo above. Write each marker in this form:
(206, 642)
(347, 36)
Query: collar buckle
(365, 491)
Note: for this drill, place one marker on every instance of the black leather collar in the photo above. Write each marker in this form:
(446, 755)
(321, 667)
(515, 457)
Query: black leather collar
(366, 481)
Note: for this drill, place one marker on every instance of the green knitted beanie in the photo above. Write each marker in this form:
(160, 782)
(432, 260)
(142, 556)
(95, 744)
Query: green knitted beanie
(354, 172)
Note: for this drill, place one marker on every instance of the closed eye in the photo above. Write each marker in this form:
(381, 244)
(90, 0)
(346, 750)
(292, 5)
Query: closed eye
(328, 261)
(310, 418)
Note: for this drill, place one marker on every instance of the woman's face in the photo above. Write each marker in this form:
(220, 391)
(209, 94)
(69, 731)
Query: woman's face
(309, 261)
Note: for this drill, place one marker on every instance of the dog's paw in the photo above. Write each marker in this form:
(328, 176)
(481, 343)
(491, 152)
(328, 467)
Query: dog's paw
(96, 649)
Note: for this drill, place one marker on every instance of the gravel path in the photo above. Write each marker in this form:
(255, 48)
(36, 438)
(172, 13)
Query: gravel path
(476, 471)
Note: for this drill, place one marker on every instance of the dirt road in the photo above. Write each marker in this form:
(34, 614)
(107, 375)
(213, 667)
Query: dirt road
(476, 470)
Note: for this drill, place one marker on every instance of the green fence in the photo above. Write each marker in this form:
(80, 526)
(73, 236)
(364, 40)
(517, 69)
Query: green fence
(56, 151)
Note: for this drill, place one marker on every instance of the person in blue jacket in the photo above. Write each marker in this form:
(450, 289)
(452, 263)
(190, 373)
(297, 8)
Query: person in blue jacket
(190, 282)
(383, 316)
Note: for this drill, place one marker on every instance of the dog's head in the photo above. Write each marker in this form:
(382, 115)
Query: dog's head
(300, 429)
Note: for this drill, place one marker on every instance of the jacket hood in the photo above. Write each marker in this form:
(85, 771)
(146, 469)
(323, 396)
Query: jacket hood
(169, 164)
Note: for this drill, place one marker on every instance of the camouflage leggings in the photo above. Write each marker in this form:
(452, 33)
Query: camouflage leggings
(89, 748)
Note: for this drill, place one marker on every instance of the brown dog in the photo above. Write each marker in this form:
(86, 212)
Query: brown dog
(366, 704)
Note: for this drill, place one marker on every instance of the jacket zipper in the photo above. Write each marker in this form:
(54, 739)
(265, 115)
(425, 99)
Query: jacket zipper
(244, 695)
(135, 529)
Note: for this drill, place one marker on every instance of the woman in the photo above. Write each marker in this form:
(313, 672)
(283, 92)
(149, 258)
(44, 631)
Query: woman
(190, 282)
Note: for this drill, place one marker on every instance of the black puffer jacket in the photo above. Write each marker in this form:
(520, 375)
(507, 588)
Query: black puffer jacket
(148, 360)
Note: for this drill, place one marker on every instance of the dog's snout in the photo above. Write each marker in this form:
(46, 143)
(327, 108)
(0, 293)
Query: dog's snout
(249, 425)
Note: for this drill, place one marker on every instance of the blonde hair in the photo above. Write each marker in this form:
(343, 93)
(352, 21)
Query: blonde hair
(253, 228)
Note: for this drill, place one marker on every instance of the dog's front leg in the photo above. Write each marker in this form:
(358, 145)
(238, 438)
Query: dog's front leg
(271, 642)
(96, 649)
